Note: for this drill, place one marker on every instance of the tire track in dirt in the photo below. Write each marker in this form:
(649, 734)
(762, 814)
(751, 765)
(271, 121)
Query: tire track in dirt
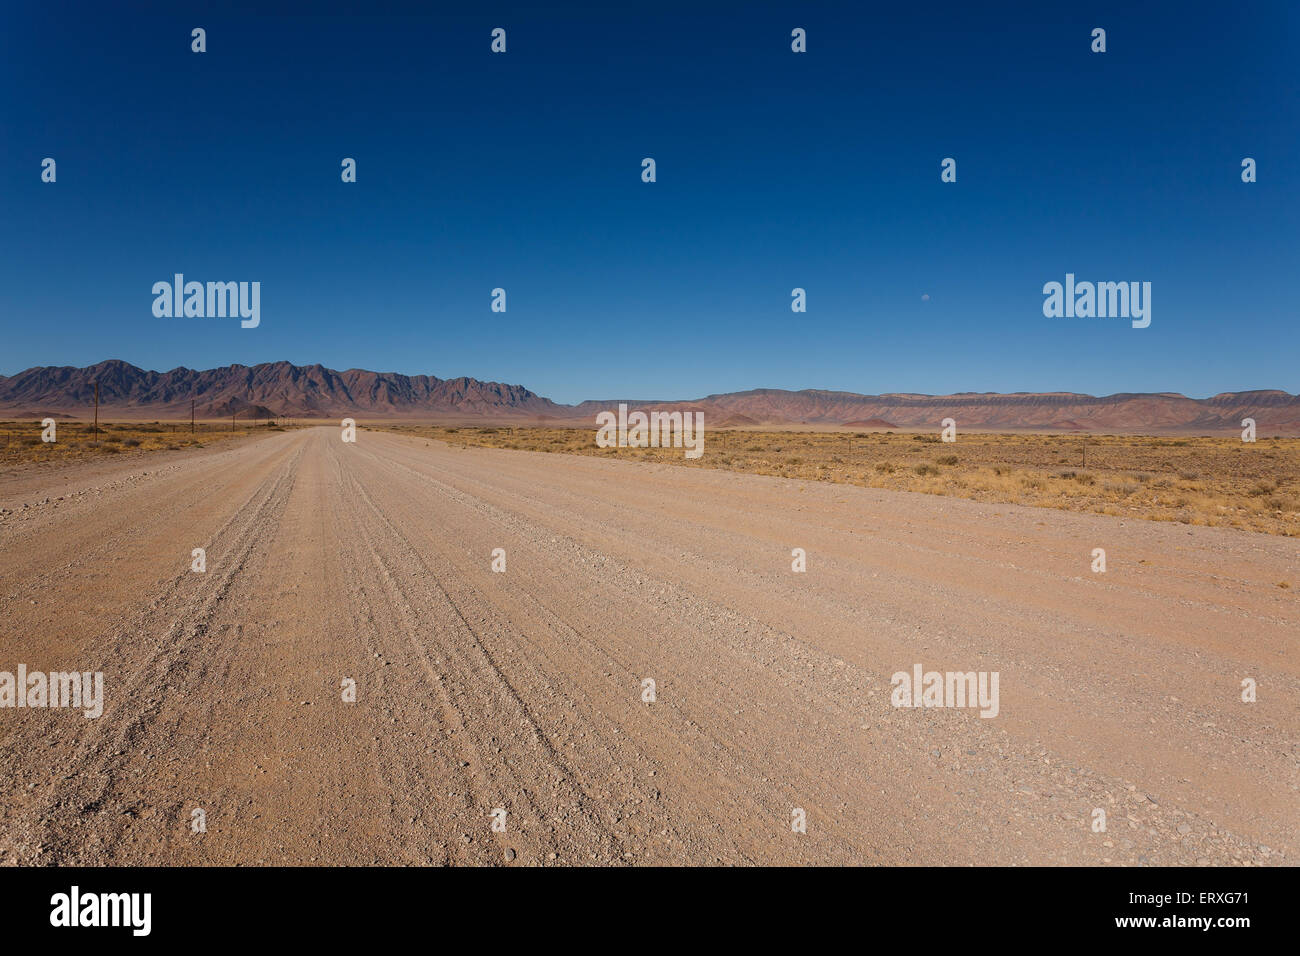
(521, 690)
(476, 693)
(175, 628)
(712, 755)
(1106, 784)
(691, 748)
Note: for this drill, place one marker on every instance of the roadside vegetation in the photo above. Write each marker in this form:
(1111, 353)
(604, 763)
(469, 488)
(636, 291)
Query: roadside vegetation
(20, 441)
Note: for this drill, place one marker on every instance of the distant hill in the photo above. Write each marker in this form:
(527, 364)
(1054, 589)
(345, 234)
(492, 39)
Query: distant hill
(282, 389)
(279, 388)
(1275, 412)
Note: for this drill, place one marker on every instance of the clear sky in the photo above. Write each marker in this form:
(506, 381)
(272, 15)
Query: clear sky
(775, 170)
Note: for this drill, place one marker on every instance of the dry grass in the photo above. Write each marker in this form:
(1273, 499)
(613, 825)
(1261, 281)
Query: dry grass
(20, 441)
(1201, 481)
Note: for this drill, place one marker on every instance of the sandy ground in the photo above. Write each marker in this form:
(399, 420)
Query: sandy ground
(523, 690)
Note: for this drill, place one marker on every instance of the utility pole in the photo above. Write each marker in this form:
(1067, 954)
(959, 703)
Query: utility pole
(97, 410)
(191, 416)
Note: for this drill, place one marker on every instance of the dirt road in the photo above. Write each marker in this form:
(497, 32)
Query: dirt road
(523, 690)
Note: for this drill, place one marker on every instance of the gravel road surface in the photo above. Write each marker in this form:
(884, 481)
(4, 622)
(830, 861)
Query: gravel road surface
(478, 691)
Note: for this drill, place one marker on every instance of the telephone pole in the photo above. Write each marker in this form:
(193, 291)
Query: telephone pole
(191, 416)
(97, 410)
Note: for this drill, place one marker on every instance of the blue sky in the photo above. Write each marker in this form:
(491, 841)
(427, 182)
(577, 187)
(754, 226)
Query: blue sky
(775, 170)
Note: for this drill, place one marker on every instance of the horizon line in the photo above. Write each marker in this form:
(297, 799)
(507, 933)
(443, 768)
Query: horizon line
(652, 401)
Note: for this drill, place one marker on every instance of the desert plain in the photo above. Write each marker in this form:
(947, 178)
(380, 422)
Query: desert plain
(519, 684)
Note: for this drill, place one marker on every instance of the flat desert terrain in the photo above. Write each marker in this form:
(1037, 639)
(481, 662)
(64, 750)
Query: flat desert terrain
(522, 690)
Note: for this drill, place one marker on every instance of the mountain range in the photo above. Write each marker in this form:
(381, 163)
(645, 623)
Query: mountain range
(281, 389)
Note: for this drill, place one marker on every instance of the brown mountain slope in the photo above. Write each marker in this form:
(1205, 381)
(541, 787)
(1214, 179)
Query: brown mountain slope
(281, 388)
(1275, 412)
